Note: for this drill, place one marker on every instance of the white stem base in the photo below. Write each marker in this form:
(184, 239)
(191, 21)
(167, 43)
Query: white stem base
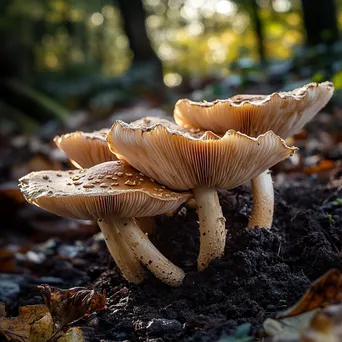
(263, 201)
(211, 226)
(122, 254)
(148, 254)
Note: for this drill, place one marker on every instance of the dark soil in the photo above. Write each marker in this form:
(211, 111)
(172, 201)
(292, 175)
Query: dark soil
(263, 271)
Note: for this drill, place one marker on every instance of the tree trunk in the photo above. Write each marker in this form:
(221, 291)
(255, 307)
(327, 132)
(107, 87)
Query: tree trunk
(133, 14)
(320, 21)
(258, 27)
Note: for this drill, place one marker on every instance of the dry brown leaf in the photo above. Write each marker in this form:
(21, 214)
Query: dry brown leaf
(325, 326)
(320, 325)
(322, 166)
(68, 306)
(33, 324)
(7, 261)
(3, 309)
(10, 190)
(324, 291)
(73, 334)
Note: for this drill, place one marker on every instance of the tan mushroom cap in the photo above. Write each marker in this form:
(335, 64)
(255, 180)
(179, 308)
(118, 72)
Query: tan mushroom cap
(183, 162)
(150, 121)
(285, 113)
(108, 189)
(85, 149)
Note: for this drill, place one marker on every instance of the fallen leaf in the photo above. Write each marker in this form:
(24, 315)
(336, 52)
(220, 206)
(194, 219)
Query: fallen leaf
(324, 291)
(73, 334)
(320, 325)
(68, 306)
(7, 261)
(322, 166)
(325, 326)
(33, 324)
(287, 328)
(11, 191)
(3, 309)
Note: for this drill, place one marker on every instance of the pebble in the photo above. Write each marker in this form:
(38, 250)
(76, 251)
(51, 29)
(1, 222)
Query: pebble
(162, 326)
(8, 290)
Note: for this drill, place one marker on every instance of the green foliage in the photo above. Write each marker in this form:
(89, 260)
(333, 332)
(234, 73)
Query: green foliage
(47, 103)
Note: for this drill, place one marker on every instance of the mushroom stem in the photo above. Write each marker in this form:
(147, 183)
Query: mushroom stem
(263, 201)
(148, 254)
(211, 226)
(146, 224)
(122, 254)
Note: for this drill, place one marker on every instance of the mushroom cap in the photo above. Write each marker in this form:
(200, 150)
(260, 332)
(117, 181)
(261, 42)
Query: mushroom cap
(182, 162)
(108, 189)
(150, 121)
(85, 149)
(284, 113)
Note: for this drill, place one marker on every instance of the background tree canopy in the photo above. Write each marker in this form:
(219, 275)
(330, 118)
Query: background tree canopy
(67, 54)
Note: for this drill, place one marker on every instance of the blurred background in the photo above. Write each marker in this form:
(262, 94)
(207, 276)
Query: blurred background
(60, 57)
(69, 65)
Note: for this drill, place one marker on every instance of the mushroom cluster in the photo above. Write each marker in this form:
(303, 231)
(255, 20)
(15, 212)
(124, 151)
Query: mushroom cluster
(132, 172)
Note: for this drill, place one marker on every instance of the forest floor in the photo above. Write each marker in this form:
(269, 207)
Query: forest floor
(262, 272)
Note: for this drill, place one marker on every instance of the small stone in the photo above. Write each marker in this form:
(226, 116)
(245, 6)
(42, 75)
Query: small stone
(8, 290)
(162, 326)
(88, 186)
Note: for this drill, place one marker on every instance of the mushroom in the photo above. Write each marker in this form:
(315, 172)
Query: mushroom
(85, 149)
(88, 149)
(284, 113)
(111, 193)
(182, 162)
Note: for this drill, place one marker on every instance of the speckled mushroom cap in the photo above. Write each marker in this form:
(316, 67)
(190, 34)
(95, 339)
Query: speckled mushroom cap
(182, 162)
(111, 188)
(85, 149)
(150, 121)
(285, 113)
